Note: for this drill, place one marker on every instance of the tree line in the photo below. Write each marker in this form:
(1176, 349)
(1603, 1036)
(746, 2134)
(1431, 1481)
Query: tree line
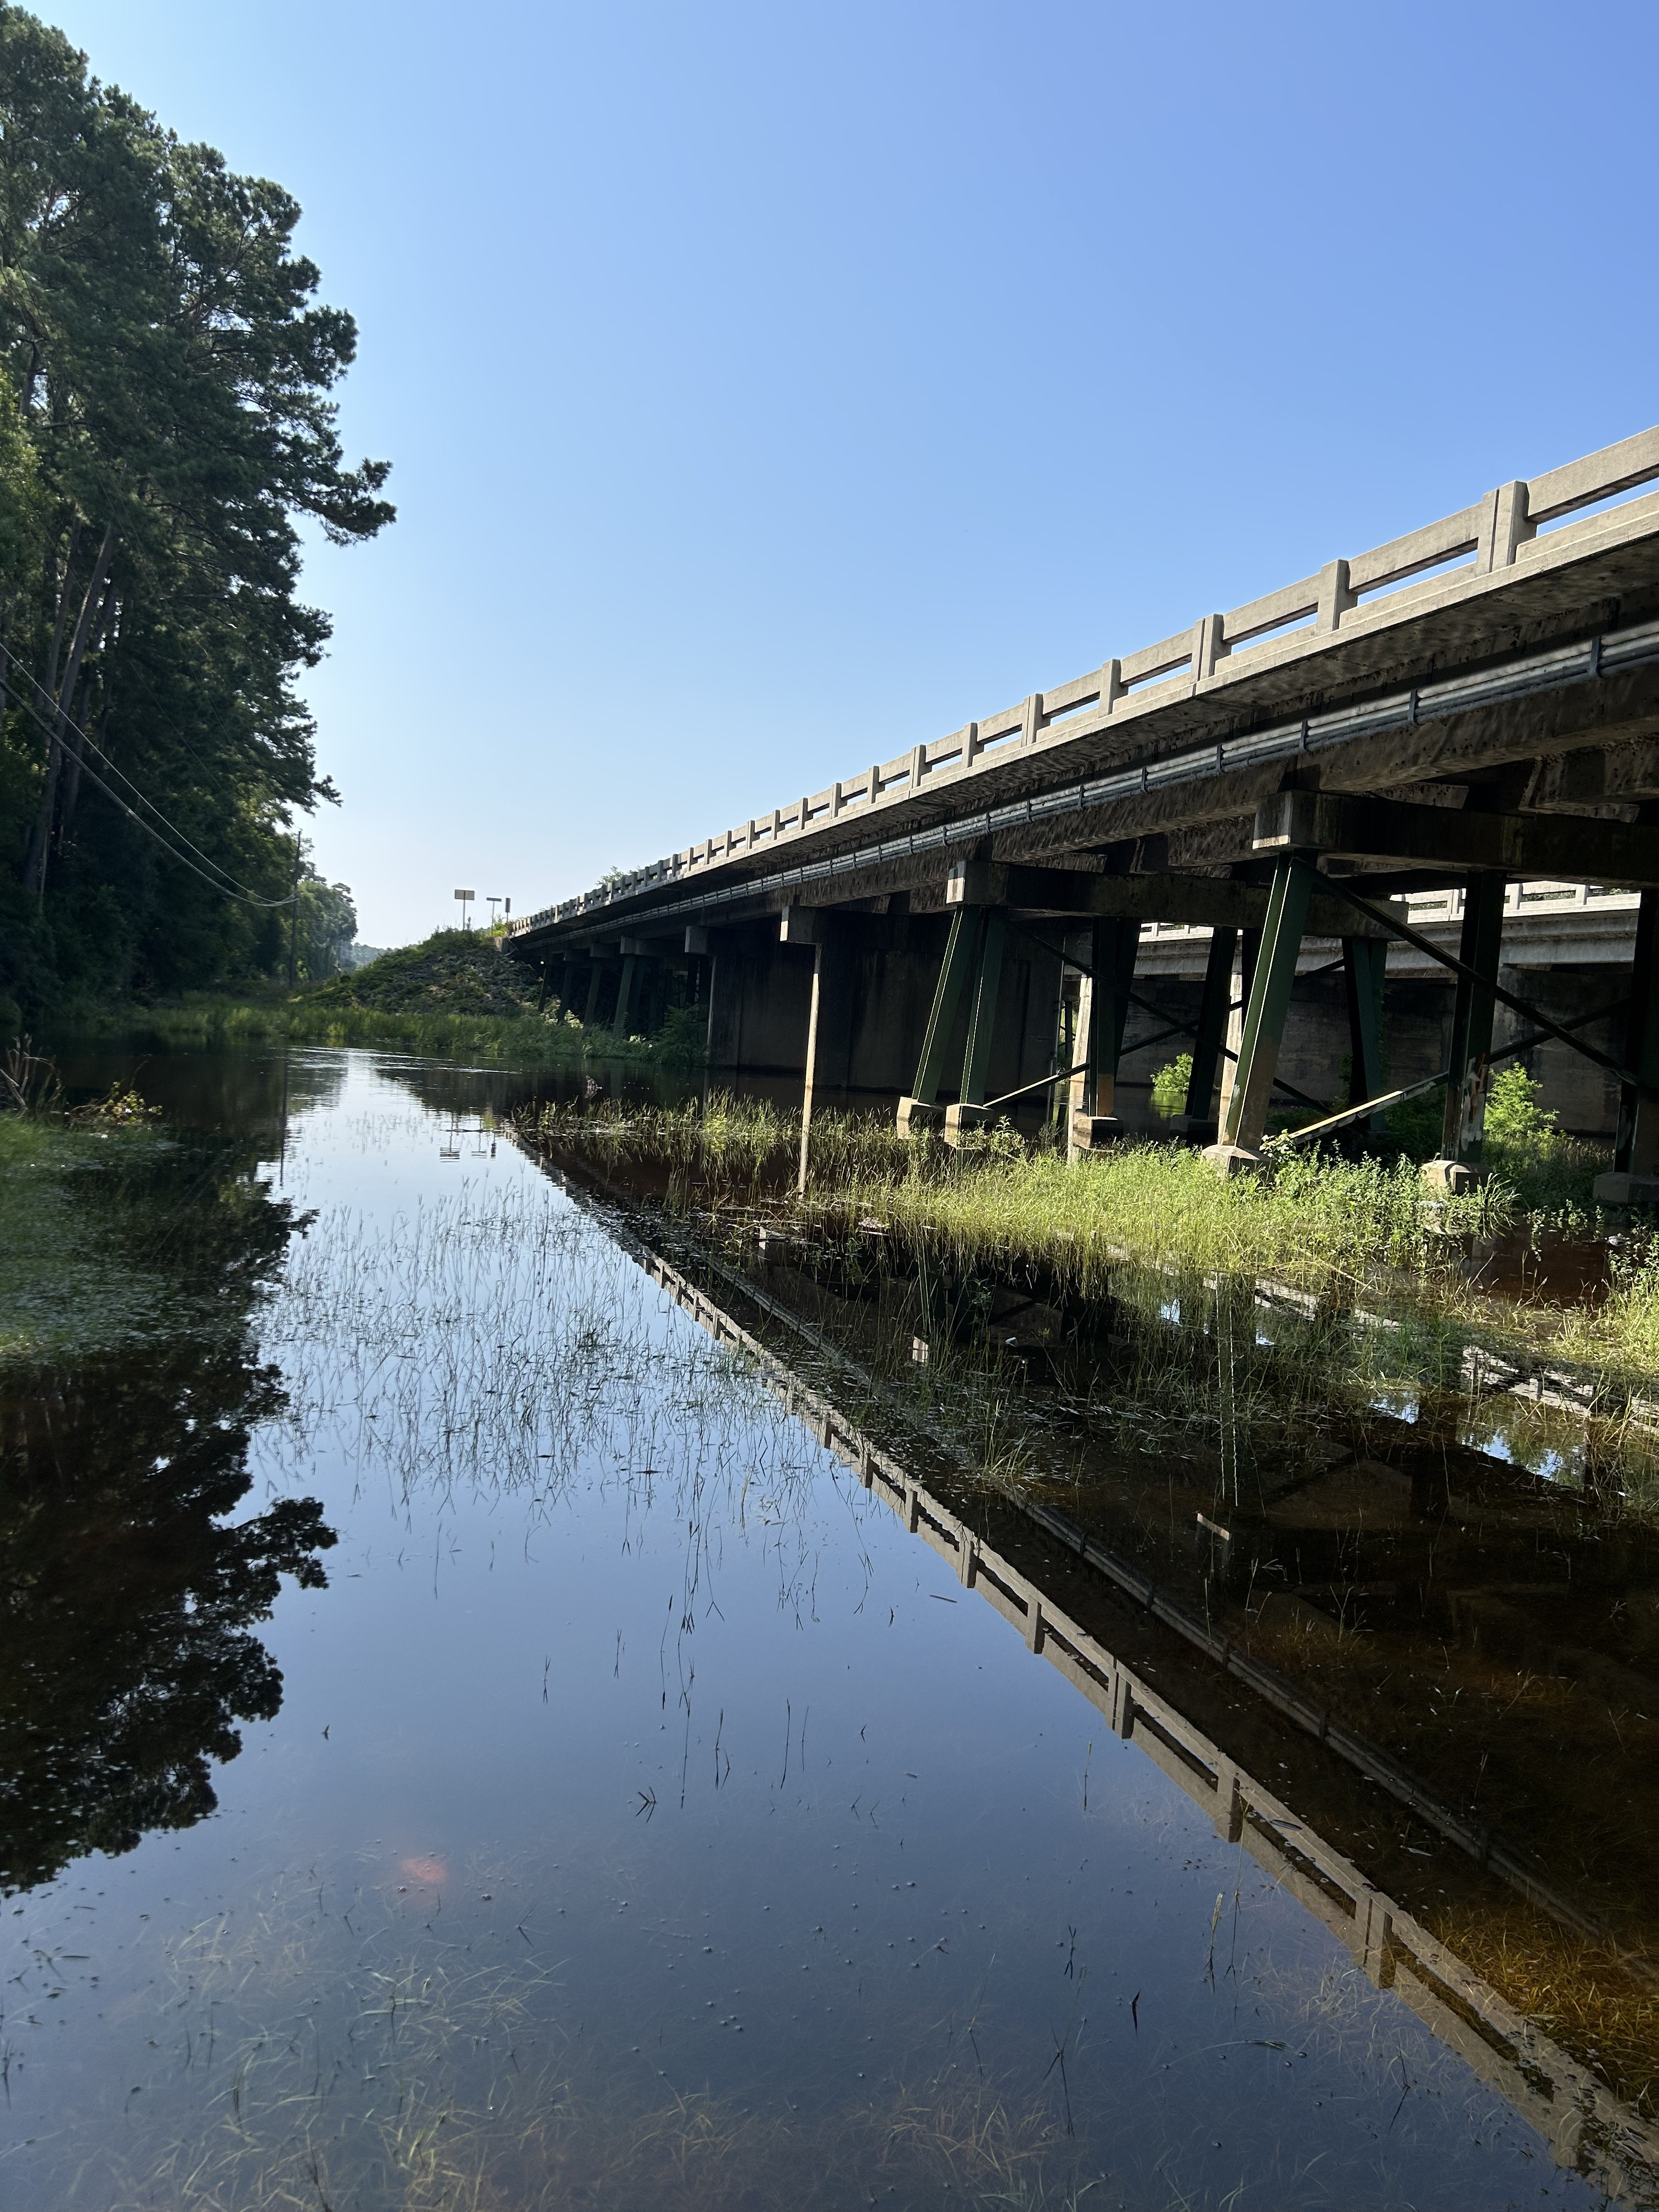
(168, 427)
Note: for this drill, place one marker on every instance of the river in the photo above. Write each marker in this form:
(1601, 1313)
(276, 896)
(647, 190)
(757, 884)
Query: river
(473, 1745)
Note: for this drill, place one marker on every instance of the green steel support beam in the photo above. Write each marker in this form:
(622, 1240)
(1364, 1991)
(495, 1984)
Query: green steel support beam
(1365, 966)
(1198, 1115)
(630, 969)
(1245, 1121)
(976, 1062)
(960, 949)
(1479, 950)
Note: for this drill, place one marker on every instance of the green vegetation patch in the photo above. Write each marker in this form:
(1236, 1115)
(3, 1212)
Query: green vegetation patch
(456, 996)
(1343, 1234)
(69, 1288)
(456, 971)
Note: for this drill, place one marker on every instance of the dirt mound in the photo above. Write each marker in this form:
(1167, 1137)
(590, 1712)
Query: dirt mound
(455, 972)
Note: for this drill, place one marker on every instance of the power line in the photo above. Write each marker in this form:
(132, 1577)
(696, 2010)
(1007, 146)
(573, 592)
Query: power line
(244, 898)
(229, 888)
(87, 738)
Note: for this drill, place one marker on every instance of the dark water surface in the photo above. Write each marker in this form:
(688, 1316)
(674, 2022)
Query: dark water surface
(643, 1813)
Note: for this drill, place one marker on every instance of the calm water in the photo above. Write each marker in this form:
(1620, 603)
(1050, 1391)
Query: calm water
(642, 1814)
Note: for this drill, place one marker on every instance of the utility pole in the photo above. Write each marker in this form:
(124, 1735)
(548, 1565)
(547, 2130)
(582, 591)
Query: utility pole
(492, 899)
(294, 920)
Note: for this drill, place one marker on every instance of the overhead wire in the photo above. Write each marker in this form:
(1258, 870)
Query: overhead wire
(230, 888)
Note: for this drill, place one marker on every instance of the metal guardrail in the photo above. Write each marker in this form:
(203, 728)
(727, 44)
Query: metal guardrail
(1587, 2128)
(1522, 528)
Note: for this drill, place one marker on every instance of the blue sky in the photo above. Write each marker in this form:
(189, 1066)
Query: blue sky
(770, 387)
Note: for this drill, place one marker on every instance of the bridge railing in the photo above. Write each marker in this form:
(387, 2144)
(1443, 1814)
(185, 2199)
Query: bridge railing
(1519, 523)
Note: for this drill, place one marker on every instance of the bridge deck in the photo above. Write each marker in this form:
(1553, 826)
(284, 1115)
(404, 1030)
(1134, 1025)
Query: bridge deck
(1349, 666)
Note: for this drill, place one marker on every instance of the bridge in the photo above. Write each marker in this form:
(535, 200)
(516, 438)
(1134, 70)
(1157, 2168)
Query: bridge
(1438, 758)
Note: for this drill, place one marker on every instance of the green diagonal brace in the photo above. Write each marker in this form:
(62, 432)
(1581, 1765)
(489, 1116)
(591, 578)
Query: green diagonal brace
(976, 1062)
(1246, 1122)
(959, 951)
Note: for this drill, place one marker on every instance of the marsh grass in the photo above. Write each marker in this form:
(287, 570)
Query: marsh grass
(431, 2079)
(1362, 1239)
(1571, 1987)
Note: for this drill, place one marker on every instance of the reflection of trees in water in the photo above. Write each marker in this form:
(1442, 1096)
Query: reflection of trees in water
(125, 1653)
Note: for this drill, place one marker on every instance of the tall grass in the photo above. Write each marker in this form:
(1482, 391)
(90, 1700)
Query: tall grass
(1339, 1233)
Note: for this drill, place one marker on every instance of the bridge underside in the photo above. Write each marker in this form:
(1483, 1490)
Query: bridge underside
(1395, 844)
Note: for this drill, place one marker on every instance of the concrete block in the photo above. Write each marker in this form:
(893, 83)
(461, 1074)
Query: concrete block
(1455, 1176)
(1232, 1159)
(1093, 1132)
(916, 1119)
(1615, 1190)
(1194, 1128)
(961, 1120)
(697, 939)
(801, 924)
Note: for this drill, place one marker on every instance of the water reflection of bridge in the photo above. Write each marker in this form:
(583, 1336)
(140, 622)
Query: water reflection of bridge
(1587, 2127)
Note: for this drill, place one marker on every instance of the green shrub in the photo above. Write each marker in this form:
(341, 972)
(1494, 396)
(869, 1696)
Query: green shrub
(1170, 1086)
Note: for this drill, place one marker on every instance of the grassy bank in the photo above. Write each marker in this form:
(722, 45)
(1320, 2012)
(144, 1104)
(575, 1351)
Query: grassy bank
(455, 996)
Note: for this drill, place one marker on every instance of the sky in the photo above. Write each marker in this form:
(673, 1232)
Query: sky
(768, 388)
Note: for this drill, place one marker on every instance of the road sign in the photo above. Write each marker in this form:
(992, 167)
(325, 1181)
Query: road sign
(468, 895)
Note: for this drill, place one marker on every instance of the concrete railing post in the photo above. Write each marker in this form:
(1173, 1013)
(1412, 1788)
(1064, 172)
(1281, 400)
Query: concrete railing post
(1335, 596)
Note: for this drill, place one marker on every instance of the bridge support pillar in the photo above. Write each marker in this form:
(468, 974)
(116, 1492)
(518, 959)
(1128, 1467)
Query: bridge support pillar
(1103, 1012)
(829, 1024)
(1478, 948)
(595, 978)
(1364, 967)
(1197, 1121)
(1634, 1180)
(625, 987)
(968, 1112)
(1244, 1118)
(918, 1110)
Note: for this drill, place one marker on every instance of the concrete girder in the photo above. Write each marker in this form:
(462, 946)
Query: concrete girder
(1598, 775)
(1566, 847)
(1195, 899)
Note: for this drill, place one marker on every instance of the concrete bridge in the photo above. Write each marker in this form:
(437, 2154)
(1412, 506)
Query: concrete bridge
(1376, 828)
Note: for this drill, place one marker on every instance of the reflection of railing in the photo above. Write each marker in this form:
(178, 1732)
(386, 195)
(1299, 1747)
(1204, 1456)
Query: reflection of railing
(1587, 2128)
(1516, 529)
